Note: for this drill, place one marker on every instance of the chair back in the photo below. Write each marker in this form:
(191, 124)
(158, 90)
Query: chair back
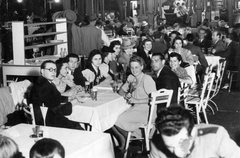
(192, 73)
(206, 90)
(158, 97)
(44, 110)
(219, 76)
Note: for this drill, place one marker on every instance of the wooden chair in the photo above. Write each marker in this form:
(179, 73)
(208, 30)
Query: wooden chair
(158, 97)
(200, 98)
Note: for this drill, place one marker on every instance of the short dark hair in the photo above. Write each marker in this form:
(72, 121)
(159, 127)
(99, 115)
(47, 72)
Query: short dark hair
(161, 56)
(230, 36)
(174, 54)
(92, 54)
(177, 38)
(171, 120)
(43, 65)
(72, 55)
(190, 37)
(46, 147)
(59, 63)
(114, 43)
(174, 32)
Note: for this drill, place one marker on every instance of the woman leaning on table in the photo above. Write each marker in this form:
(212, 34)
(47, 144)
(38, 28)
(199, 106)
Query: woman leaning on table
(95, 65)
(138, 97)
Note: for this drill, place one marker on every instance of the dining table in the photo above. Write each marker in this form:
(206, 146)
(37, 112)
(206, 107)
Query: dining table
(77, 143)
(102, 113)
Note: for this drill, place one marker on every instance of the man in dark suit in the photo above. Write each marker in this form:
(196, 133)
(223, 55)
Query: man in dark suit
(165, 78)
(45, 93)
(202, 41)
(230, 54)
(218, 44)
(76, 71)
(197, 52)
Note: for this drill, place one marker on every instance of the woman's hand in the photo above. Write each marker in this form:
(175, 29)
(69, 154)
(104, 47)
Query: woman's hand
(128, 96)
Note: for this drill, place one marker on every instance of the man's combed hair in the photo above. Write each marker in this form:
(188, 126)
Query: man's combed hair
(171, 120)
(47, 148)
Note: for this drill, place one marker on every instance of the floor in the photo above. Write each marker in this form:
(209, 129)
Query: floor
(228, 116)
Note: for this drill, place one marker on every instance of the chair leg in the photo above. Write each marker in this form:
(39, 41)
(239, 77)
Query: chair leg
(211, 109)
(214, 104)
(146, 137)
(205, 115)
(127, 144)
(197, 113)
(230, 81)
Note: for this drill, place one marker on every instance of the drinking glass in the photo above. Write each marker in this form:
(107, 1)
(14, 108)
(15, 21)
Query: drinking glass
(87, 87)
(94, 94)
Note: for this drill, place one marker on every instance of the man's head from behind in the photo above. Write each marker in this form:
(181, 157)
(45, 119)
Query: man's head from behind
(175, 125)
(47, 148)
(48, 70)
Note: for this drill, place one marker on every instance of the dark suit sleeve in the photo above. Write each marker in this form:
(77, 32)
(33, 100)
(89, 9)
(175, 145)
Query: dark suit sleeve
(202, 59)
(79, 79)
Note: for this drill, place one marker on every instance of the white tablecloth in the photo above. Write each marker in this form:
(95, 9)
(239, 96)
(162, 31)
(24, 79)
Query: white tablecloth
(77, 144)
(103, 113)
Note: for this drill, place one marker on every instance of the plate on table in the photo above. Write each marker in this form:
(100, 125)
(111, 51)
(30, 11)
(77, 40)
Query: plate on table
(55, 41)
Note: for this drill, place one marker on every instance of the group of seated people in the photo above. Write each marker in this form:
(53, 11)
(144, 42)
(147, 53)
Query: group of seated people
(60, 82)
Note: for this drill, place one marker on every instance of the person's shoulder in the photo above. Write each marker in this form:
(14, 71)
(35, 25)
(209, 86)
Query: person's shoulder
(206, 129)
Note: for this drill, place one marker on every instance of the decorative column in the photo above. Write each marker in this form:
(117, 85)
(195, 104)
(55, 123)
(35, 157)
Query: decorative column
(66, 5)
(230, 12)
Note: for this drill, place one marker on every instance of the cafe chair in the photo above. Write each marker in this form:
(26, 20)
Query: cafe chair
(217, 82)
(201, 97)
(158, 97)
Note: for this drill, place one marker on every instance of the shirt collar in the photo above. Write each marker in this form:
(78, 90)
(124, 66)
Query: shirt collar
(159, 71)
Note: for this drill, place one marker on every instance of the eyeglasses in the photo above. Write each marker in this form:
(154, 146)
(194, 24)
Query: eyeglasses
(51, 69)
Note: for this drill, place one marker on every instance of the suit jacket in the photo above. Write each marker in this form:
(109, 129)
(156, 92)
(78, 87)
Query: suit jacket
(196, 50)
(230, 55)
(169, 80)
(79, 79)
(219, 46)
(43, 92)
(90, 38)
(204, 44)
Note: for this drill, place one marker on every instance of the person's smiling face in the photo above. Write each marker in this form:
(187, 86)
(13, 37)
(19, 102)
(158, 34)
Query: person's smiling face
(136, 68)
(174, 62)
(178, 44)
